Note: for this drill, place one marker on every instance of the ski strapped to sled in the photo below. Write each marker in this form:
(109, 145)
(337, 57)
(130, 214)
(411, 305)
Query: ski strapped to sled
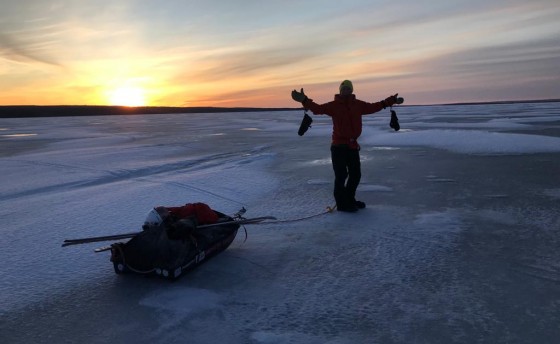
(69, 242)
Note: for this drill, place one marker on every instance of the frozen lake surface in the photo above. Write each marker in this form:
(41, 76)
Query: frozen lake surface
(459, 242)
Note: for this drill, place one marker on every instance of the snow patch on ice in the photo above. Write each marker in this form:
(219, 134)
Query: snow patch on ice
(440, 221)
(466, 141)
(380, 148)
(375, 188)
(501, 217)
(176, 305)
(552, 193)
(326, 161)
(263, 337)
(182, 301)
(318, 182)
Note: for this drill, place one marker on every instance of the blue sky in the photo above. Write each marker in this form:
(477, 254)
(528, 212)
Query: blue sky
(253, 53)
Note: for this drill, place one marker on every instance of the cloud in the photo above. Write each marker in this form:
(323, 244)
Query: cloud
(29, 50)
(251, 61)
(217, 50)
(503, 62)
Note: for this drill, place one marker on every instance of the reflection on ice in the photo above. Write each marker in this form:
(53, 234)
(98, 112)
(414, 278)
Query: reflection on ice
(18, 135)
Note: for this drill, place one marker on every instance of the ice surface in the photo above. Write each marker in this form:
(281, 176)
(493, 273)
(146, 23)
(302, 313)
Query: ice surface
(458, 243)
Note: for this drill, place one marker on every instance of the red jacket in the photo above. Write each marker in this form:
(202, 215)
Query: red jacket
(346, 113)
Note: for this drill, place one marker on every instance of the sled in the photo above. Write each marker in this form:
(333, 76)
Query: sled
(152, 252)
(173, 247)
(156, 252)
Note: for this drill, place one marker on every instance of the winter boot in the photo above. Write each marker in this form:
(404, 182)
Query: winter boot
(359, 204)
(347, 208)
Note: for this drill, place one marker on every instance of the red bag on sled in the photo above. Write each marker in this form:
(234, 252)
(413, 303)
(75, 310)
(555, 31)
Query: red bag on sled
(203, 214)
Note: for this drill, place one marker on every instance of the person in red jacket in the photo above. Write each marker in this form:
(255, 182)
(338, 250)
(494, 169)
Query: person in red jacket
(346, 112)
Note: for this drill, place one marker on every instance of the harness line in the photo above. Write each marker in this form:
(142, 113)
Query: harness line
(328, 210)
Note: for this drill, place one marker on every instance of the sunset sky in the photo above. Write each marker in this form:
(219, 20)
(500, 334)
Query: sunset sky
(252, 53)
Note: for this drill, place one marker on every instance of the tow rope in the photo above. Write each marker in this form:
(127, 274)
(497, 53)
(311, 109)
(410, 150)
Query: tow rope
(327, 211)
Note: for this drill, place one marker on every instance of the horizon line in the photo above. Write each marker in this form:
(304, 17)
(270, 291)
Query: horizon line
(545, 100)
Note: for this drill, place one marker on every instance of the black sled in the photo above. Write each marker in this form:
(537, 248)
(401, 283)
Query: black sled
(171, 249)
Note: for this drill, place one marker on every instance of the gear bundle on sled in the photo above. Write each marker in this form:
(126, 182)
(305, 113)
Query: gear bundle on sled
(173, 240)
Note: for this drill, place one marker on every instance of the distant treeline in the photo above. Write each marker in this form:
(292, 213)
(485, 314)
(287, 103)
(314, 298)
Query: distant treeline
(505, 102)
(16, 111)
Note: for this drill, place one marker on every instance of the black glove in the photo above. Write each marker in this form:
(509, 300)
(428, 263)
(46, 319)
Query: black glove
(394, 121)
(305, 124)
(299, 96)
(392, 100)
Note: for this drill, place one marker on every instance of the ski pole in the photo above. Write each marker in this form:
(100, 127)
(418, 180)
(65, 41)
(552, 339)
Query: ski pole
(69, 242)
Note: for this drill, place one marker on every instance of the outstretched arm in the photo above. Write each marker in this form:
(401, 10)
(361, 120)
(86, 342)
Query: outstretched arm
(309, 104)
(392, 100)
(387, 102)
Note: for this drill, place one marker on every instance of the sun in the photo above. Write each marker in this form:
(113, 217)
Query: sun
(127, 96)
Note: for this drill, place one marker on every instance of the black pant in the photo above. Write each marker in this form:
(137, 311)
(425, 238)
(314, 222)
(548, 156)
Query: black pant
(346, 164)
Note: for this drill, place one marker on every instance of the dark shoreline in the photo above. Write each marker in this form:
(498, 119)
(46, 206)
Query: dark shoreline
(501, 102)
(26, 111)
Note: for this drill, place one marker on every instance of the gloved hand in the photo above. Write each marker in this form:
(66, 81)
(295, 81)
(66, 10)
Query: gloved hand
(392, 100)
(299, 96)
